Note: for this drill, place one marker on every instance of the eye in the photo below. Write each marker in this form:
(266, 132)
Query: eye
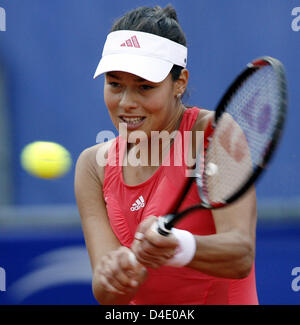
(114, 84)
(146, 87)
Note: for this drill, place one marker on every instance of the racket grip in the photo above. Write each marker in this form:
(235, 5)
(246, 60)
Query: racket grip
(164, 225)
(186, 241)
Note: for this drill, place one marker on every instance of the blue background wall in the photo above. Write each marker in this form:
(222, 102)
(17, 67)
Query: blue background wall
(49, 53)
(51, 49)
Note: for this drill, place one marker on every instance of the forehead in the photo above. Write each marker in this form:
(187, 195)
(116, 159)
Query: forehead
(124, 75)
(121, 75)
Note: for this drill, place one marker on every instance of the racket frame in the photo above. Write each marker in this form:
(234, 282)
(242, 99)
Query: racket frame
(277, 132)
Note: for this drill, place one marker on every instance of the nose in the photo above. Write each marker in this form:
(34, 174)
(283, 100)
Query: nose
(128, 100)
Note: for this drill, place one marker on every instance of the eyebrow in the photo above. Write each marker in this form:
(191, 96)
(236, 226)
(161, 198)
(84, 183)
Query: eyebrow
(112, 75)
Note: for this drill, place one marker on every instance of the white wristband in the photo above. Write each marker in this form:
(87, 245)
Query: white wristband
(186, 249)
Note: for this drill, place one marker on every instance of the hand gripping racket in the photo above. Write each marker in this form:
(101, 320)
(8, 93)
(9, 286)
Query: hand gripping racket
(240, 141)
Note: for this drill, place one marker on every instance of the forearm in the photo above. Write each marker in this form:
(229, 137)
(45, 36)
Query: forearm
(228, 255)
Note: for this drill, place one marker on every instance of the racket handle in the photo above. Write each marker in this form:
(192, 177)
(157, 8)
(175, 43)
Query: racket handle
(165, 224)
(186, 241)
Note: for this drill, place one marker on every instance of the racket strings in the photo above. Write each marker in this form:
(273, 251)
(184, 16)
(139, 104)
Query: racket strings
(242, 135)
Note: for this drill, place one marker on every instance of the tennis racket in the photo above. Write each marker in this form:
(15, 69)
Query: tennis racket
(239, 142)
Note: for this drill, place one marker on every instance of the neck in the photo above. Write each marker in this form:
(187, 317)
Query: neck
(176, 120)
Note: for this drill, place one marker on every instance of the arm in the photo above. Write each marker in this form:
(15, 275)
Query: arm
(104, 249)
(230, 252)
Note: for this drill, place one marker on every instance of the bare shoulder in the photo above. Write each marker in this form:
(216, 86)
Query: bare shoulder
(93, 159)
(203, 117)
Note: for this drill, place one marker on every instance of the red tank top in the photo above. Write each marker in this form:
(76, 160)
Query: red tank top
(128, 205)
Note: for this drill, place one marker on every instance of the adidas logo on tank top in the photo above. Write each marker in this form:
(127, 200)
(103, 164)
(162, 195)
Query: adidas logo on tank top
(138, 204)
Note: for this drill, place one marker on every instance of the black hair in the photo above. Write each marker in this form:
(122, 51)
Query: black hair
(159, 21)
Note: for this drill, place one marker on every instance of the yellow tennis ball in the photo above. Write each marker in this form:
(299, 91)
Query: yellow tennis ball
(46, 159)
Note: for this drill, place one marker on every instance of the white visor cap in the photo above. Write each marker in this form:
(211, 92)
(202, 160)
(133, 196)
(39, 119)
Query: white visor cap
(146, 55)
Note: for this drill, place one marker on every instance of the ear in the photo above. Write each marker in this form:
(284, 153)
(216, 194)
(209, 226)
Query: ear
(181, 83)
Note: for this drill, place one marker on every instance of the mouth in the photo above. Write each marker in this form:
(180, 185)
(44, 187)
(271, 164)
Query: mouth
(133, 122)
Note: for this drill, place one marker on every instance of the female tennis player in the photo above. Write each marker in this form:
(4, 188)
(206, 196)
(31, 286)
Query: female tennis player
(209, 257)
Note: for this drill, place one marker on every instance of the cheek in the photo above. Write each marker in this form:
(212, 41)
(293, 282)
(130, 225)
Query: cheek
(111, 100)
(162, 102)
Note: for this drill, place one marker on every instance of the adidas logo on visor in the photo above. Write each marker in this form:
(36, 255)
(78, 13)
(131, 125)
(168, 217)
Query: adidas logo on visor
(131, 42)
